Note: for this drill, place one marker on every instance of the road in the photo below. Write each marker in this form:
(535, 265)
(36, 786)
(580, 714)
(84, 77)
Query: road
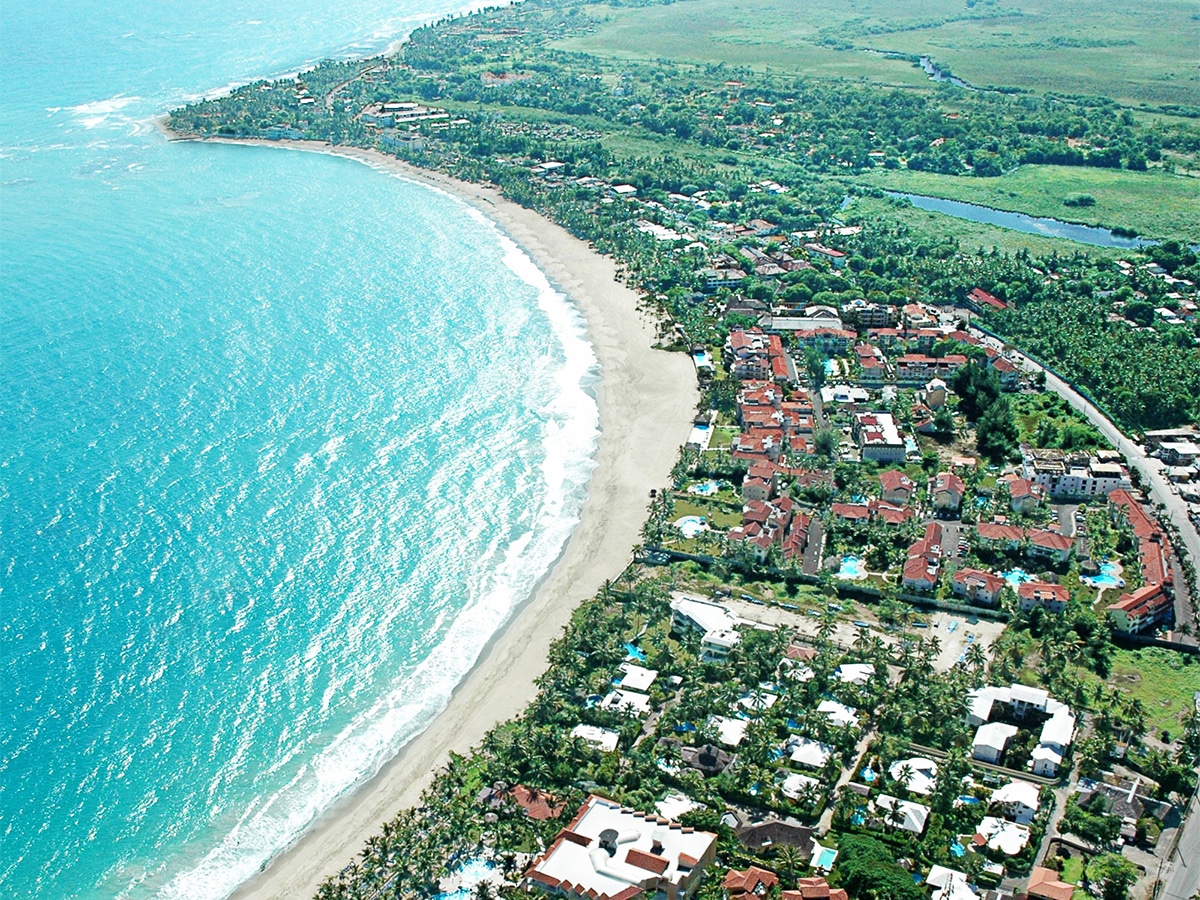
(1157, 486)
(1183, 879)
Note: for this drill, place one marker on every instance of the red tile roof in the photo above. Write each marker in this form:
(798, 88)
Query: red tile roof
(747, 882)
(1045, 883)
(643, 860)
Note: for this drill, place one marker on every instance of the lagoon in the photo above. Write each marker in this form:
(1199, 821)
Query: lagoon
(972, 212)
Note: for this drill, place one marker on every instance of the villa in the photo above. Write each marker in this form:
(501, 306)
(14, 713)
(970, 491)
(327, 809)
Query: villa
(918, 775)
(1018, 800)
(949, 884)
(715, 623)
(1002, 836)
(911, 817)
(991, 740)
(604, 738)
(839, 715)
(609, 852)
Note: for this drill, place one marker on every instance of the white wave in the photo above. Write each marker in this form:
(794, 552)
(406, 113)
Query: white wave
(96, 113)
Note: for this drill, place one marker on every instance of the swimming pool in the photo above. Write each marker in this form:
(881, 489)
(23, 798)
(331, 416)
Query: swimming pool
(1109, 577)
(705, 488)
(632, 652)
(1016, 577)
(469, 876)
(853, 569)
(690, 526)
(825, 859)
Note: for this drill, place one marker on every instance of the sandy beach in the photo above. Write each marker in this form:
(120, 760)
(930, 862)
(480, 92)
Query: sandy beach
(647, 399)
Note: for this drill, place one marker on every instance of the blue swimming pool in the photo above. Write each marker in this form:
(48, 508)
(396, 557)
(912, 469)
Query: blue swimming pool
(470, 874)
(690, 526)
(1109, 577)
(825, 859)
(705, 488)
(1016, 577)
(852, 569)
(632, 652)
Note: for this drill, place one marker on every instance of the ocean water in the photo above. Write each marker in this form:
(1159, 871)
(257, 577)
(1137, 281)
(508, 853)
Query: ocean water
(283, 442)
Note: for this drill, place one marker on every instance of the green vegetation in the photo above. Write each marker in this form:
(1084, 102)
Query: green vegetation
(1154, 203)
(1069, 47)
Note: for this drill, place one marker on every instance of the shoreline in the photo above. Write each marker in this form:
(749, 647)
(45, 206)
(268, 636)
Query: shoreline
(646, 401)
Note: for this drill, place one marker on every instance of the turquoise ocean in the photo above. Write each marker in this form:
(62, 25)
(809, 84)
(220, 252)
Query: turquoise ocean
(284, 441)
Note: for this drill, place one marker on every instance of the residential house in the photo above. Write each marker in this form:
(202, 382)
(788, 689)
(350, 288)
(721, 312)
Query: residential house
(609, 852)
(537, 805)
(914, 369)
(896, 487)
(1017, 800)
(909, 816)
(981, 299)
(978, 587)
(946, 492)
(714, 622)
(1001, 835)
(924, 560)
(1046, 885)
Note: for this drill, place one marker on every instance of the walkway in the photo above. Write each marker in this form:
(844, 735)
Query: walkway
(860, 748)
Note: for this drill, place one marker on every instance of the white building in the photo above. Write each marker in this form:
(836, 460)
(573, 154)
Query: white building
(949, 884)
(1003, 836)
(604, 738)
(1018, 800)
(626, 701)
(609, 852)
(839, 714)
(912, 816)
(636, 678)
(919, 775)
(807, 752)
(731, 731)
(878, 436)
(991, 740)
(716, 624)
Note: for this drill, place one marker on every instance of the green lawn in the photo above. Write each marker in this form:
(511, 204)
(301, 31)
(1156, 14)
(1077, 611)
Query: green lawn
(1096, 47)
(1153, 203)
(716, 515)
(968, 234)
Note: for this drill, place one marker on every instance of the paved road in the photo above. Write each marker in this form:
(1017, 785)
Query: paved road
(1183, 880)
(1157, 486)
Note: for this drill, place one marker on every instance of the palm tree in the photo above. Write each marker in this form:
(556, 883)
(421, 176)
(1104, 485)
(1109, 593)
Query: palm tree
(789, 860)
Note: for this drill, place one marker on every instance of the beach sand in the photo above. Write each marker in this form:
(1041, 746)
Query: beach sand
(647, 399)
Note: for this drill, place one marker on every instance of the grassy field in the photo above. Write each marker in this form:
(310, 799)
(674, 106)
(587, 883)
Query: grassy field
(1164, 681)
(968, 234)
(1096, 47)
(1154, 203)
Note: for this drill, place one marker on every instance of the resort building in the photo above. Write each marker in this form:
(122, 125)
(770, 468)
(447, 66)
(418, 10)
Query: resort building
(877, 435)
(924, 560)
(1073, 476)
(609, 852)
(1141, 610)
(896, 487)
(991, 740)
(946, 492)
(978, 587)
(1050, 597)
